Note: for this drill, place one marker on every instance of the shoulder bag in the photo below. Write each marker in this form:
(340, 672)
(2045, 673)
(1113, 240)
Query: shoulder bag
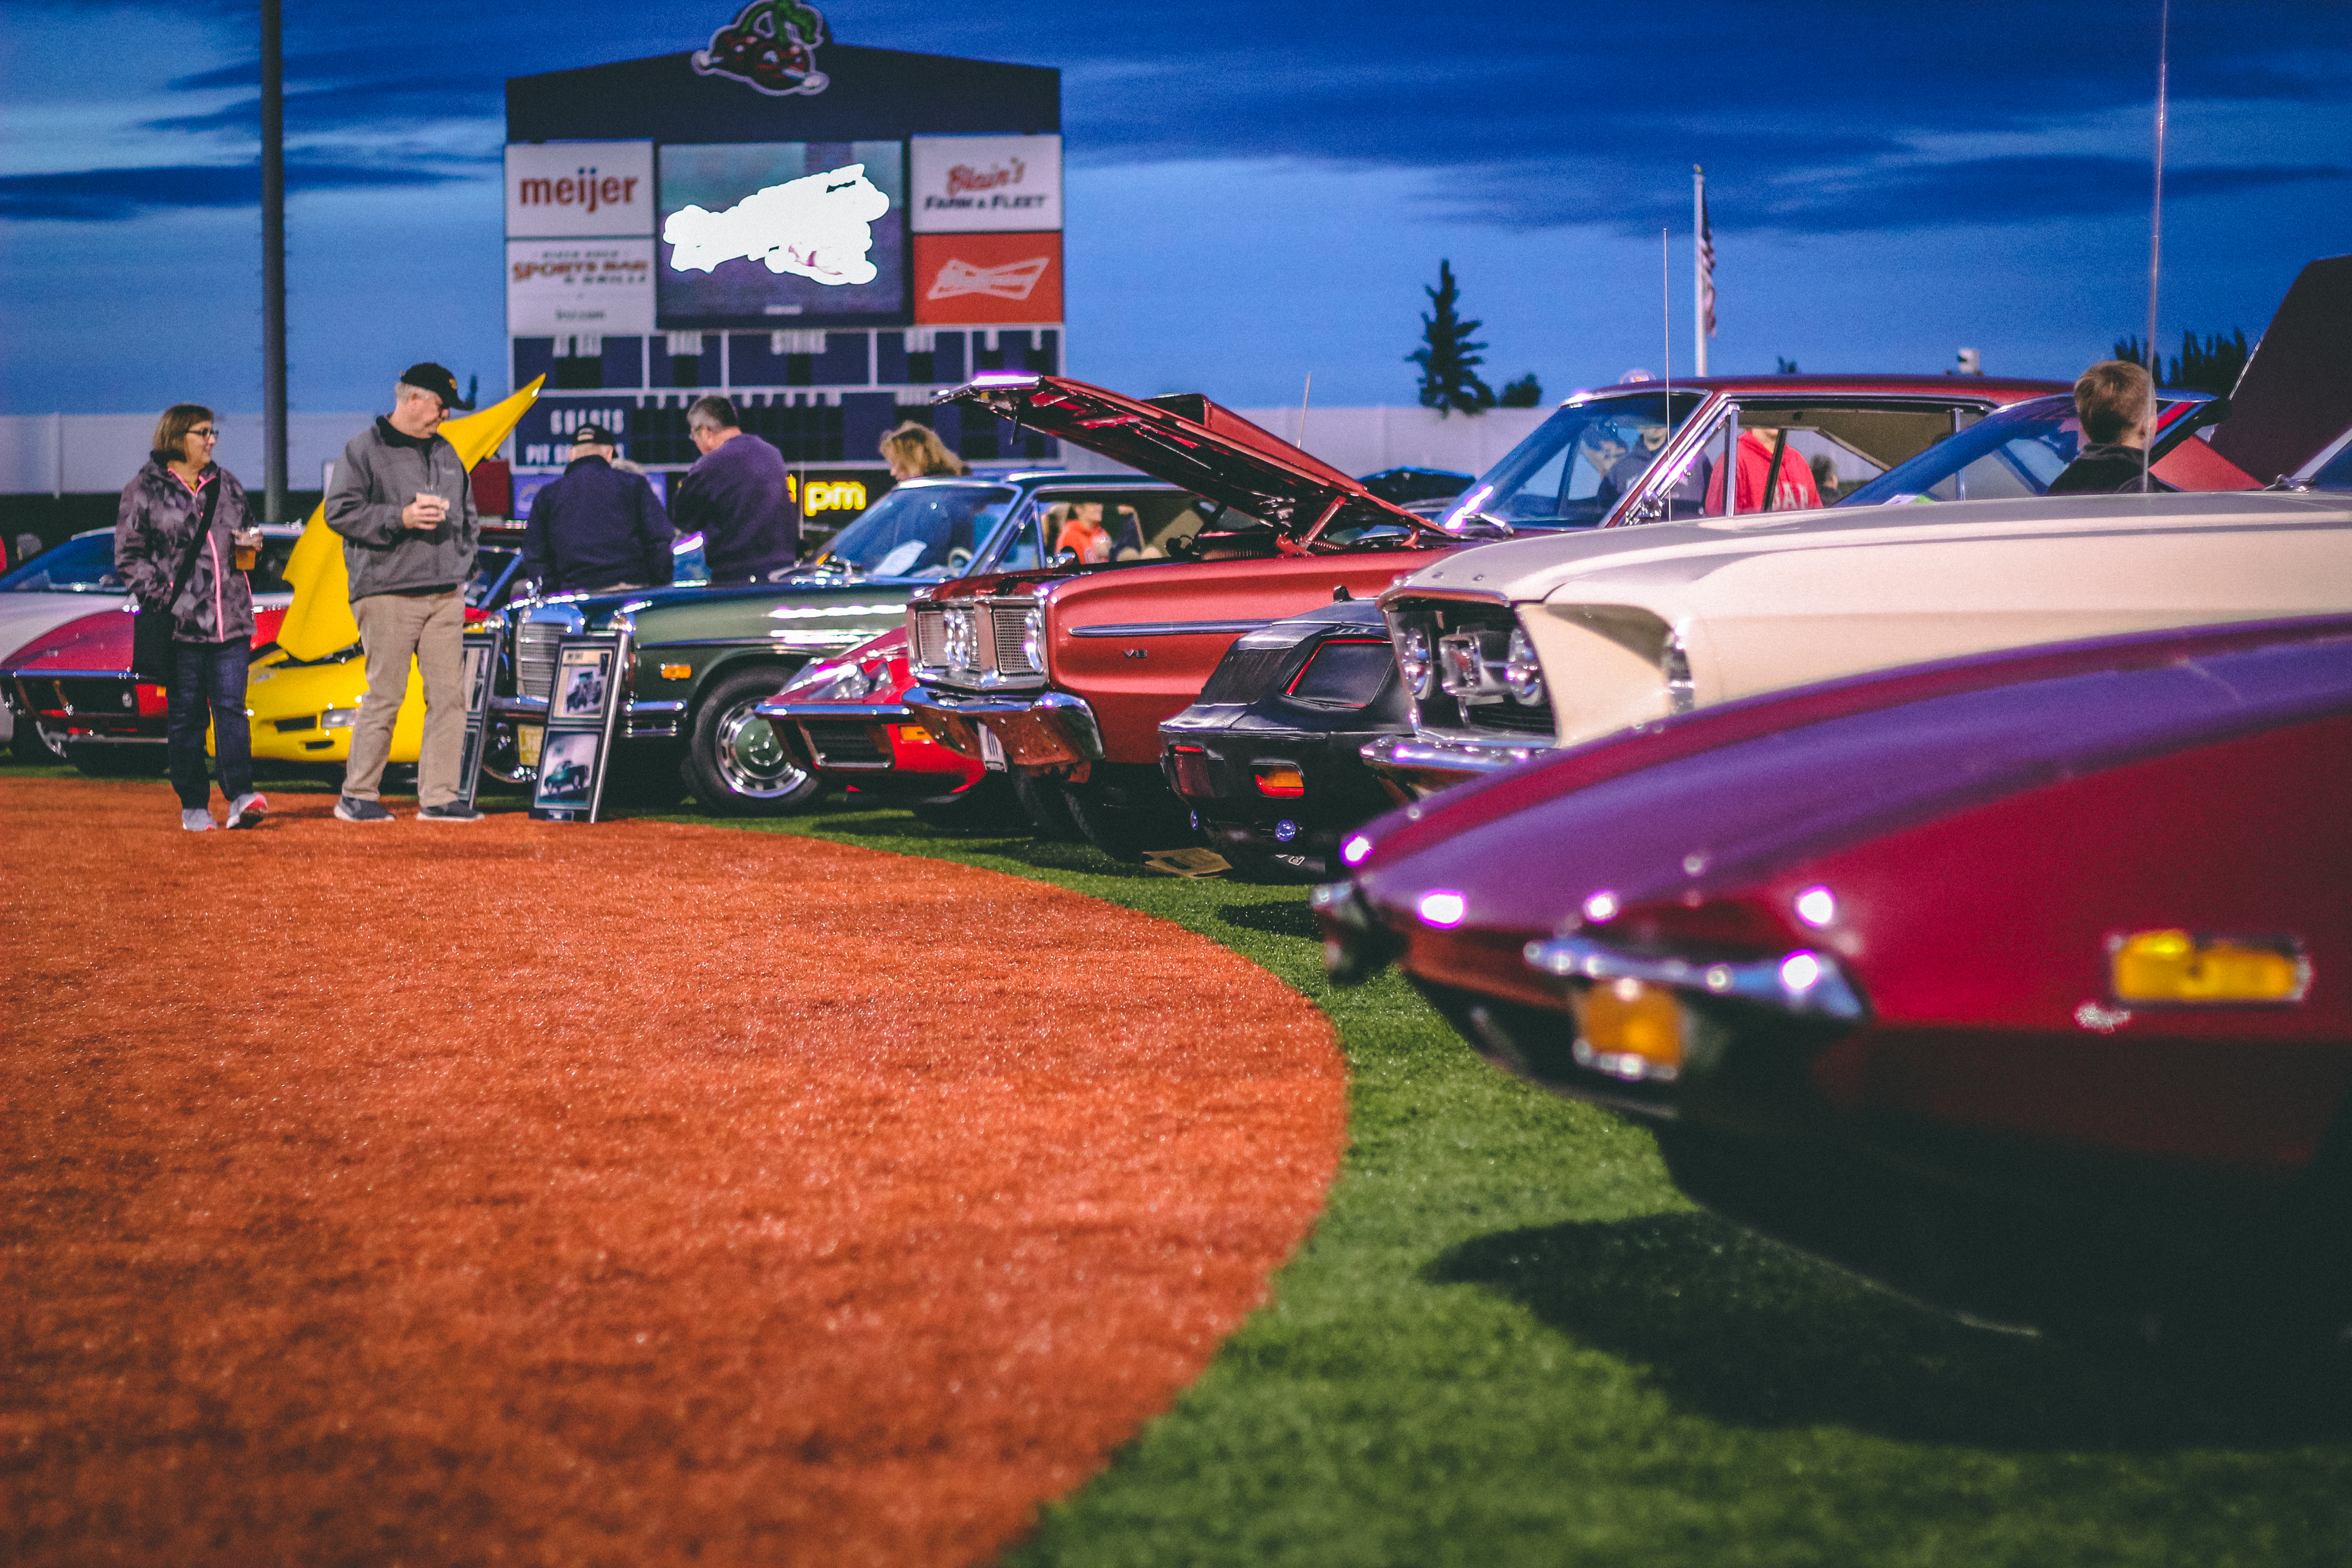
(150, 634)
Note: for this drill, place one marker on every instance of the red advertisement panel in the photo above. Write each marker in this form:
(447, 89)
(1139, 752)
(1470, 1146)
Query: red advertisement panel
(978, 277)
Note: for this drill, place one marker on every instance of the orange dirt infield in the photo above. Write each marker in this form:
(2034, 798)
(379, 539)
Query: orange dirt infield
(635, 1193)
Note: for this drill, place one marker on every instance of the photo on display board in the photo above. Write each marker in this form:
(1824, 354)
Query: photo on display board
(567, 770)
(781, 234)
(479, 659)
(581, 686)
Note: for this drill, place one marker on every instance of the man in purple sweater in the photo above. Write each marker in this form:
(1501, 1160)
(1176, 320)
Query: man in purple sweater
(735, 496)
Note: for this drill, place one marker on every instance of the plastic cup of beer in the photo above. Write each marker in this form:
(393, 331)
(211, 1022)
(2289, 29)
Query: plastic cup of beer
(249, 548)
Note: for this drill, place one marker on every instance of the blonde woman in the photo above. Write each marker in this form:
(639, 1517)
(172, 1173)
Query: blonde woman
(916, 452)
(176, 538)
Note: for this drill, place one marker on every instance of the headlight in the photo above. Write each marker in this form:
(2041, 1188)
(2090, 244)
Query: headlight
(1420, 671)
(1521, 673)
(962, 639)
(1673, 665)
(1033, 638)
(339, 718)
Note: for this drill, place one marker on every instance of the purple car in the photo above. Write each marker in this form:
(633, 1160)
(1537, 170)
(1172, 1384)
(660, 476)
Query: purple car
(2017, 982)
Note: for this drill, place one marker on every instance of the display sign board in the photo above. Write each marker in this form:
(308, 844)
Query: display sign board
(781, 234)
(987, 277)
(481, 661)
(555, 288)
(543, 436)
(573, 190)
(966, 185)
(584, 710)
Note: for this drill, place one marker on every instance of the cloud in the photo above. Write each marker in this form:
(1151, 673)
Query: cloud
(86, 195)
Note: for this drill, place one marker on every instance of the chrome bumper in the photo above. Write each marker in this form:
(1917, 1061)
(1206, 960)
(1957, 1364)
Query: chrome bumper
(792, 712)
(1421, 765)
(1045, 730)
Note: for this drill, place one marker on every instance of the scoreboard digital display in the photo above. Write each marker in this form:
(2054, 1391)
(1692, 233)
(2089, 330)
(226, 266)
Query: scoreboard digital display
(781, 234)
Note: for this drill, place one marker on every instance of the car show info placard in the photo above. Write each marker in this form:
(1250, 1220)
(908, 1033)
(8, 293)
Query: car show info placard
(584, 710)
(481, 657)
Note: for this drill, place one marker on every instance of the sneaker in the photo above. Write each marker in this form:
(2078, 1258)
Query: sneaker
(196, 819)
(351, 808)
(249, 810)
(454, 811)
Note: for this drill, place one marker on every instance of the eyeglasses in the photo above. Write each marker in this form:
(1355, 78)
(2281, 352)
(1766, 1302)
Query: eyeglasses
(205, 433)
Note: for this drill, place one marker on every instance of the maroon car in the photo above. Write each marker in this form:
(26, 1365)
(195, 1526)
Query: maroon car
(2016, 980)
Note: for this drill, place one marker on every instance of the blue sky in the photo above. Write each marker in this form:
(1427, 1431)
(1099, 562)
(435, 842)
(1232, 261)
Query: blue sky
(1256, 193)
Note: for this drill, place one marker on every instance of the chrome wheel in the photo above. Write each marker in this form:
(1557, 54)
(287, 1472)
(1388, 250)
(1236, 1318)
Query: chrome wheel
(752, 758)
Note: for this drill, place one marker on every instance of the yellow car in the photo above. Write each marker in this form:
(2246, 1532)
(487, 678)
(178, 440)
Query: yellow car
(301, 709)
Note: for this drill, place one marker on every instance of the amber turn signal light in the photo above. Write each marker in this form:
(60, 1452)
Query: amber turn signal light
(1629, 1029)
(677, 671)
(914, 735)
(2179, 966)
(1281, 784)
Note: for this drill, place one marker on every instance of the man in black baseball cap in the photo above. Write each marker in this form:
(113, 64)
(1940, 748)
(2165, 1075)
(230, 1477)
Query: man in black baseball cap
(426, 376)
(403, 501)
(597, 526)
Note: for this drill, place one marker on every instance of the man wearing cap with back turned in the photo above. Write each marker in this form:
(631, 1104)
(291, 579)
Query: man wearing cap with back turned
(403, 504)
(597, 527)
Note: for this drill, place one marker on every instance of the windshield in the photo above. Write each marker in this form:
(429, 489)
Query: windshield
(2336, 473)
(2012, 453)
(1576, 465)
(84, 566)
(920, 530)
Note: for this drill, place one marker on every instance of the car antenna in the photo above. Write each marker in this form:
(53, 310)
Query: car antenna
(2156, 234)
(1303, 397)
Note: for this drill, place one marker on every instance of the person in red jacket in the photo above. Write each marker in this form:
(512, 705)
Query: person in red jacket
(1768, 465)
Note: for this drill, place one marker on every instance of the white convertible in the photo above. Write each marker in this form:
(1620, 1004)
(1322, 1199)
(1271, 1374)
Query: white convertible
(1514, 647)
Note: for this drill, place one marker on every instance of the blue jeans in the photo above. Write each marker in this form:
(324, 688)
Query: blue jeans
(208, 688)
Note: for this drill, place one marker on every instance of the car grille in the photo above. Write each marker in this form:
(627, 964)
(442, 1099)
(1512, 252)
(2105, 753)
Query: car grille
(843, 743)
(98, 696)
(535, 645)
(928, 630)
(1006, 622)
(972, 642)
(1467, 643)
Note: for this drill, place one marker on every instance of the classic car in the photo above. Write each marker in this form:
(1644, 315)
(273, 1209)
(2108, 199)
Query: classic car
(704, 659)
(2011, 453)
(2016, 980)
(1536, 643)
(1065, 671)
(52, 588)
(1125, 650)
(73, 686)
(845, 720)
(1267, 758)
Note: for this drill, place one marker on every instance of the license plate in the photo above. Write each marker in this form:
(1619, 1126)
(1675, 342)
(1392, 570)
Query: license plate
(527, 739)
(991, 750)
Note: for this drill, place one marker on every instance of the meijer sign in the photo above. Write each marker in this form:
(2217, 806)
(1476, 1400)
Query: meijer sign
(580, 190)
(984, 185)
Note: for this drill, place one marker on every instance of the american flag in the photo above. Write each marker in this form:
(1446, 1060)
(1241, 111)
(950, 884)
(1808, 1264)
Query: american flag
(1705, 256)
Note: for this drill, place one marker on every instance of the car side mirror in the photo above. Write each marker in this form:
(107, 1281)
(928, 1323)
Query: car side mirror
(1480, 525)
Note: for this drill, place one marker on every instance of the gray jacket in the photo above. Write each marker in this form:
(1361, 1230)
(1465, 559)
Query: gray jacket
(380, 472)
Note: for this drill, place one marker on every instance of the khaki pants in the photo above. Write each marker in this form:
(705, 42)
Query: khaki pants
(395, 627)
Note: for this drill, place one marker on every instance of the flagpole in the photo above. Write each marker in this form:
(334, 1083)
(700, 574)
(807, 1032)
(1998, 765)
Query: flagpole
(2155, 230)
(1699, 268)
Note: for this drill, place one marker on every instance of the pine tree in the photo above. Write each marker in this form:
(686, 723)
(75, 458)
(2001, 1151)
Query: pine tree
(1447, 357)
(1525, 393)
(2213, 365)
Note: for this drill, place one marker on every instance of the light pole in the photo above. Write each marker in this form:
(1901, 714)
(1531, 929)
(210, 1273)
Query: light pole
(273, 267)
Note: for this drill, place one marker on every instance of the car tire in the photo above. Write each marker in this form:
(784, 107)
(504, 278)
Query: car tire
(35, 746)
(1125, 830)
(988, 805)
(736, 764)
(103, 762)
(1047, 808)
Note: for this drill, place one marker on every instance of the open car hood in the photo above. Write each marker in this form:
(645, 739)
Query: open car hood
(1188, 440)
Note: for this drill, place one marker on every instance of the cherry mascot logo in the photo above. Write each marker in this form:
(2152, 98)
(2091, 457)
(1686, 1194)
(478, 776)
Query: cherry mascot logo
(771, 45)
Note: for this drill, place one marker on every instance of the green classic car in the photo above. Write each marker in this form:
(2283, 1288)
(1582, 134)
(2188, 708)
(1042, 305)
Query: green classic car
(702, 657)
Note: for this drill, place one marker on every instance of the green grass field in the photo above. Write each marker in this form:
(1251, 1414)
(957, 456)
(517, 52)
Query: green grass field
(1509, 1340)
